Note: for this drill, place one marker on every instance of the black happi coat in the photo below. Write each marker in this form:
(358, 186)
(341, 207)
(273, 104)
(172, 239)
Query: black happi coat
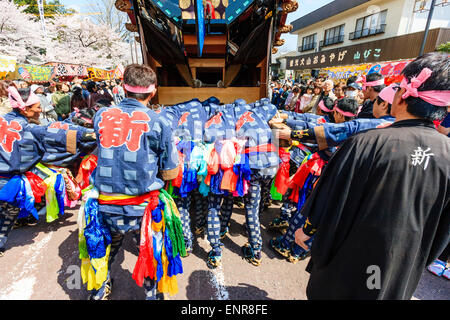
(380, 202)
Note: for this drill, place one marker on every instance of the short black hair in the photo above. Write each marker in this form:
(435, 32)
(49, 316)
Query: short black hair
(375, 77)
(439, 80)
(348, 105)
(302, 89)
(77, 91)
(351, 80)
(90, 86)
(139, 75)
(328, 102)
(24, 93)
(379, 100)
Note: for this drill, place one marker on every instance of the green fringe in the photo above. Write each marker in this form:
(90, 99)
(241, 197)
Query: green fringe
(82, 248)
(173, 222)
(170, 190)
(274, 193)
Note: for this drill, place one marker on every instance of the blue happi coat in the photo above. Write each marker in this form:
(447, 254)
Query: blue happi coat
(302, 121)
(252, 125)
(333, 134)
(22, 146)
(63, 158)
(135, 145)
(31, 143)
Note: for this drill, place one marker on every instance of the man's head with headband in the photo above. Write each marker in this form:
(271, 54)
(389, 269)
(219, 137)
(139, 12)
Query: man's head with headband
(345, 109)
(424, 92)
(325, 107)
(383, 104)
(372, 84)
(25, 101)
(139, 82)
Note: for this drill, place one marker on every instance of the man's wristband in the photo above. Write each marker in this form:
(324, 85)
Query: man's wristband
(302, 134)
(308, 228)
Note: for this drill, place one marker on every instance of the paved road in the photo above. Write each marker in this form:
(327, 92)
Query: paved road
(42, 261)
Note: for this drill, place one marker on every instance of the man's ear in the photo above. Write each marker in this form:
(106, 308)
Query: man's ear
(153, 94)
(401, 101)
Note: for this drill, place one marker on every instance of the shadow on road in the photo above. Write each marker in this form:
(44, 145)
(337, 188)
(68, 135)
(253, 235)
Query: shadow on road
(68, 252)
(124, 287)
(203, 286)
(24, 236)
(432, 287)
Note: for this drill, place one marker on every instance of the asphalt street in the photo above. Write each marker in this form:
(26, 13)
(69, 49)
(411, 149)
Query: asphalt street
(41, 262)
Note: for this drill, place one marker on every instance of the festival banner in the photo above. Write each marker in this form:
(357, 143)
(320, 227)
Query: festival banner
(344, 72)
(118, 72)
(390, 70)
(24, 73)
(96, 74)
(7, 65)
(35, 73)
(68, 70)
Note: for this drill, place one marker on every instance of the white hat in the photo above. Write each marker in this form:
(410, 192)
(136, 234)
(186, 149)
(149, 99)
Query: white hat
(34, 87)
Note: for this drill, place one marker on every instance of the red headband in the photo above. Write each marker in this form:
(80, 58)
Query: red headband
(344, 113)
(16, 100)
(365, 84)
(435, 97)
(132, 89)
(322, 106)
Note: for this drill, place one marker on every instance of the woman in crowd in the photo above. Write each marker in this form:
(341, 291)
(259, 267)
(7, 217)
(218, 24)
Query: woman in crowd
(339, 91)
(284, 95)
(95, 95)
(5, 106)
(305, 99)
(48, 111)
(317, 92)
(292, 99)
(61, 101)
(77, 102)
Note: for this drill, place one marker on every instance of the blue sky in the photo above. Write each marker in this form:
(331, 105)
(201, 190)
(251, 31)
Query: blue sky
(305, 7)
(79, 5)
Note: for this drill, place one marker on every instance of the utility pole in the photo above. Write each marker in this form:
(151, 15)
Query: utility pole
(427, 27)
(136, 51)
(131, 51)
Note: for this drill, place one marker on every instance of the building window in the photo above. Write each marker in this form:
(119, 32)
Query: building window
(370, 25)
(333, 36)
(308, 43)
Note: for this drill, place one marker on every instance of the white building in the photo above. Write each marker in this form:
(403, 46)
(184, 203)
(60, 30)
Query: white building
(354, 25)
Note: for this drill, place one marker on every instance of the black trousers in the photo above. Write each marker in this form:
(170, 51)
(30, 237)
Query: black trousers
(445, 255)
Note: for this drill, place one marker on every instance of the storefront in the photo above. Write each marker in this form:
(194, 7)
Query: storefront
(389, 56)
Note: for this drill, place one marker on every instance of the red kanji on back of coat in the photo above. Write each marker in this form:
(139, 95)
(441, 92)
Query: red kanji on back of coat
(246, 117)
(9, 132)
(214, 120)
(118, 128)
(183, 118)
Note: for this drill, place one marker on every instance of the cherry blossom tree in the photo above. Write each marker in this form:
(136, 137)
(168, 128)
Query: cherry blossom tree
(20, 35)
(70, 39)
(81, 41)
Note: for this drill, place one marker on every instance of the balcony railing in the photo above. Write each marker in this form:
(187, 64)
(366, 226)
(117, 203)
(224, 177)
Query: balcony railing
(366, 32)
(308, 46)
(331, 41)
